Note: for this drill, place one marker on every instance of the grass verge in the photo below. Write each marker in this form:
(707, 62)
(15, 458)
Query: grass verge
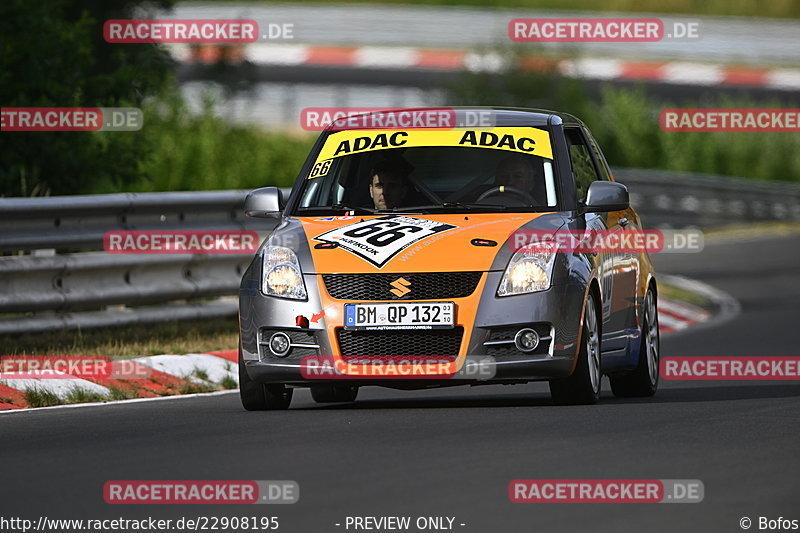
(139, 340)
(677, 294)
(39, 397)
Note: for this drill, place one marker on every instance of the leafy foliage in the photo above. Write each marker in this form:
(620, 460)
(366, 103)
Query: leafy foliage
(52, 54)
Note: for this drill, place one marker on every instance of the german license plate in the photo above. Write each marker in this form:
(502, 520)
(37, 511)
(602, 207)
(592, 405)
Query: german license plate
(430, 315)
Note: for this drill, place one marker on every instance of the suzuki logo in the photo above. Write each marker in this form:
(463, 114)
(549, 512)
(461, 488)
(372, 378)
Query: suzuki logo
(400, 287)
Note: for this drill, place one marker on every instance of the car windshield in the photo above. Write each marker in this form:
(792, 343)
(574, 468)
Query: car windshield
(499, 169)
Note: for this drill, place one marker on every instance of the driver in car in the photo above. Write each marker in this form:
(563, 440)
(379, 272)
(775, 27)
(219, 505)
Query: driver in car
(518, 172)
(389, 185)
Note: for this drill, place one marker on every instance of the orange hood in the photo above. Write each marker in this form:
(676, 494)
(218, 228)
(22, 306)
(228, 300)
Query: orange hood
(408, 243)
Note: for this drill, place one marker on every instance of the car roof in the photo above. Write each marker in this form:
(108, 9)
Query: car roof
(503, 116)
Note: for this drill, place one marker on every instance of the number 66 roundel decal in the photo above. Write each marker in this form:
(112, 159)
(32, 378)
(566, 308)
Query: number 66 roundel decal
(380, 239)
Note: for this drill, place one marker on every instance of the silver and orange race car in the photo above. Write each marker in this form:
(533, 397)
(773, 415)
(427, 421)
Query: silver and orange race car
(404, 257)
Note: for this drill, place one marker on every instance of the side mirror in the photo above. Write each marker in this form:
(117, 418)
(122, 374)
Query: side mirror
(604, 196)
(266, 202)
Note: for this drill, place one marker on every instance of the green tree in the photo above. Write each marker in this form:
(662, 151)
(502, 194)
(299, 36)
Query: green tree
(52, 54)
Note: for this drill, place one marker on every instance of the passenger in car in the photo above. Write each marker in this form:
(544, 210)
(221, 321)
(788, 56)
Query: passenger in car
(521, 172)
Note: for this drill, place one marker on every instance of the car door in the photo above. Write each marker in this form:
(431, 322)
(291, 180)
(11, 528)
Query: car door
(614, 295)
(627, 268)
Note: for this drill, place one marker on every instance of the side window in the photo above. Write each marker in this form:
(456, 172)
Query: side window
(583, 169)
(602, 165)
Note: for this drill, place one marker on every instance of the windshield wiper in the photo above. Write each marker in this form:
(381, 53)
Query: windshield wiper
(468, 206)
(354, 209)
(340, 207)
(367, 210)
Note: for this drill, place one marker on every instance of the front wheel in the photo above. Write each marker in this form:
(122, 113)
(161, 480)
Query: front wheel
(257, 396)
(583, 386)
(643, 380)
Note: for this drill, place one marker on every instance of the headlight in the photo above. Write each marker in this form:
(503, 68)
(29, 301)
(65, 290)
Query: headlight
(281, 274)
(530, 270)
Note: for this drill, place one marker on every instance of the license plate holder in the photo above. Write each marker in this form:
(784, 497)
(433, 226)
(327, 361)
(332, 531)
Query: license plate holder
(399, 315)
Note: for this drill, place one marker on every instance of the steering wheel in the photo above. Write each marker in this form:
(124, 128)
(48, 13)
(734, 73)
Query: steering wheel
(502, 189)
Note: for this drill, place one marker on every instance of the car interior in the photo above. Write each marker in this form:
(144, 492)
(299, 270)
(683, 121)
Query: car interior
(436, 175)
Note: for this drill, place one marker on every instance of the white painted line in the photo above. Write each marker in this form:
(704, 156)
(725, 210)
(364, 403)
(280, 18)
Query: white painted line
(119, 402)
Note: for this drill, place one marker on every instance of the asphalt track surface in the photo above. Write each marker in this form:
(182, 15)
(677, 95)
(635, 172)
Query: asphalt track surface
(453, 452)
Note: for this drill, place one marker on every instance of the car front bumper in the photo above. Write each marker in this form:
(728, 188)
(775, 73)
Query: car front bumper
(556, 311)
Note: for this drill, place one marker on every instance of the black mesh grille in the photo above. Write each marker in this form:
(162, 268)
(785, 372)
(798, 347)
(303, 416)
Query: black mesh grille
(401, 342)
(422, 286)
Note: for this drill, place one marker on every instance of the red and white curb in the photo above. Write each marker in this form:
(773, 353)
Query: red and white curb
(169, 375)
(388, 57)
(675, 316)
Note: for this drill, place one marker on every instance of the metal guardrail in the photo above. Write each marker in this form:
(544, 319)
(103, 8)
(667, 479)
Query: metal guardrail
(682, 199)
(62, 281)
(79, 222)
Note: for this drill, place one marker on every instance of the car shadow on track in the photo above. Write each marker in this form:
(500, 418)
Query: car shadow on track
(441, 403)
(715, 393)
(700, 394)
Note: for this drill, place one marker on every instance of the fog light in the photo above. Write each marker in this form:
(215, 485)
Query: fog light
(279, 344)
(526, 340)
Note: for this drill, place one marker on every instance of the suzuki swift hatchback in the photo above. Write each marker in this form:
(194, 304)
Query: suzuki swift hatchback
(407, 251)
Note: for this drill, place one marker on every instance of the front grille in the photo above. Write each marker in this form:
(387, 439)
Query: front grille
(421, 286)
(401, 342)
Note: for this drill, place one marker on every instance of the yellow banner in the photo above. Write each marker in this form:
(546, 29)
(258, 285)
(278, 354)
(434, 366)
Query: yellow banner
(525, 140)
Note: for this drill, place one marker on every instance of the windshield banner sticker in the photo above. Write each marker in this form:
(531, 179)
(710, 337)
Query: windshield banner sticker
(378, 240)
(524, 140)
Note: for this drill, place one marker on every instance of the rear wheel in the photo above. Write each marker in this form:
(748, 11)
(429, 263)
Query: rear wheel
(643, 381)
(583, 386)
(259, 396)
(334, 393)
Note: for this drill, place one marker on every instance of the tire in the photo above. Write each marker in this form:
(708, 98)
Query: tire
(259, 396)
(583, 386)
(643, 380)
(334, 393)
